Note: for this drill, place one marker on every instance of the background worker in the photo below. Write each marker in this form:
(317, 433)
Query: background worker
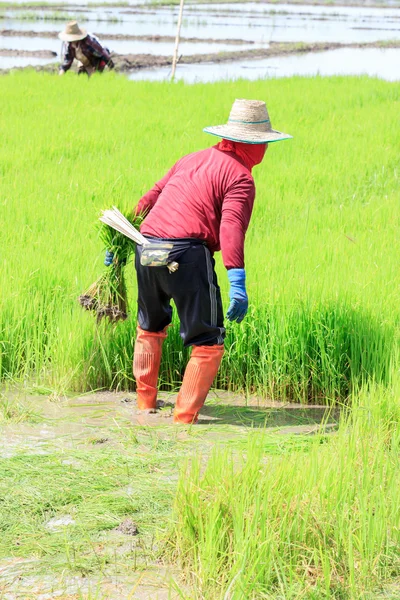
(85, 48)
(202, 205)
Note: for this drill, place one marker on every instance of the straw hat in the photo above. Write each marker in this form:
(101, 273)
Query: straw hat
(72, 32)
(249, 123)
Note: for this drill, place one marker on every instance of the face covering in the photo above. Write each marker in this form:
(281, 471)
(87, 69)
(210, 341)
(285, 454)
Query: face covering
(251, 154)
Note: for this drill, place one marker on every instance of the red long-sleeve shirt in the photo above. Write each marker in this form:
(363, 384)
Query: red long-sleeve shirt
(208, 195)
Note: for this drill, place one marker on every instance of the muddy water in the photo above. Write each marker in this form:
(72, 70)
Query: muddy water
(349, 61)
(69, 423)
(153, 584)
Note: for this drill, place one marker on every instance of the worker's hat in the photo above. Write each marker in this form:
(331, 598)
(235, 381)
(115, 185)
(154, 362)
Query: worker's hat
(248, 123)
(72, 32)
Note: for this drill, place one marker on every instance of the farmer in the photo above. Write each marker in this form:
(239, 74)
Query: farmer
(86, 48)
(202, 205)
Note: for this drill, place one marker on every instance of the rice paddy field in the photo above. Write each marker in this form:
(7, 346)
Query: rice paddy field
(230, 510)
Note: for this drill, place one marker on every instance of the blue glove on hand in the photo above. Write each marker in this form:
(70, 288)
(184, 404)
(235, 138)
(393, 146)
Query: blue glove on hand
(237, 295)
(109, 258)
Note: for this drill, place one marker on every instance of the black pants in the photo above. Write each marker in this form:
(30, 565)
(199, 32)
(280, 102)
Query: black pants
(193, 288)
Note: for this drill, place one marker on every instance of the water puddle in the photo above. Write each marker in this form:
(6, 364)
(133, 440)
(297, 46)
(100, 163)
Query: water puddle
(153, 583)
(85, 421)
(375, 62)
(167, 48)
(12, 62)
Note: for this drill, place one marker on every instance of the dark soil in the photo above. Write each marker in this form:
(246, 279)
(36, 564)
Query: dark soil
(130, 62)
(122, 36)
(128, 527)
(32, 53)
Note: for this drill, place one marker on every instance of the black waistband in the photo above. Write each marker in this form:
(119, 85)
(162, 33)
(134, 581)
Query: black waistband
(191, 241)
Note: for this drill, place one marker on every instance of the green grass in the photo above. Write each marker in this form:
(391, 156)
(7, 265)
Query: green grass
(267, 516)
(48, 5)
(30, 15)
(34, 16)
(321, 251)
(322, 523)
(81, 471)
(254, 513)
(90, 489)
(58, 526)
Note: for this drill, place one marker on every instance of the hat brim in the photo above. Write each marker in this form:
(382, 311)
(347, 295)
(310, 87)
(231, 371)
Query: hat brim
(67, 37)
(255, 137)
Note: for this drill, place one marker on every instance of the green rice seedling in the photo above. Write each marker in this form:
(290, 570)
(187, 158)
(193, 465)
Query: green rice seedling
(107, 296)
(318, 523)
(321, 251)
(43, 16)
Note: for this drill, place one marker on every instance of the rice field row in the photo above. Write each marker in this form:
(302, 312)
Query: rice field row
(321, 251)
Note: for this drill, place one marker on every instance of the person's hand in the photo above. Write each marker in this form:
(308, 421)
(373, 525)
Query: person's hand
(108, 258)
(237, 295)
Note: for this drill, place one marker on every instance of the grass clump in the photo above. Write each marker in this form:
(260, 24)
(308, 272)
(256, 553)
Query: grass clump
(63, 505)
(107, 296)
(44, 16)
(320, 524)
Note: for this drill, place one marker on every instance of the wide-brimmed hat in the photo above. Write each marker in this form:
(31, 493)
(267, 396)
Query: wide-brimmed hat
(72, 32)
(249, 123)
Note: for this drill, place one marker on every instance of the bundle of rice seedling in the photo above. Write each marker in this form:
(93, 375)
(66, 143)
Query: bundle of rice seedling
(107, 296)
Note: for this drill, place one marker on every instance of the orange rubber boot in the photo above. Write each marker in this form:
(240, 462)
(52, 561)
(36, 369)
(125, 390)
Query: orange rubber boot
(199, 375)
(146, 364)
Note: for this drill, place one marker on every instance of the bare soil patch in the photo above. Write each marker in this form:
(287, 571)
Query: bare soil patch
(128, 527)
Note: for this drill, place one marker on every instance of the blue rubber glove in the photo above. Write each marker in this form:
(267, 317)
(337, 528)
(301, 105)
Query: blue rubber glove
(237, 295)
(109, 258)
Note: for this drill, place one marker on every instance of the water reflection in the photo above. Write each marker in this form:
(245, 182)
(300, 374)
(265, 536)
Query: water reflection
(259, 23)
(10, 62)
(253, 22)
(383, 63)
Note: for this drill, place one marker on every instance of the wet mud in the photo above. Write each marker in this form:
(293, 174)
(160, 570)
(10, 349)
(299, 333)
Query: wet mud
(28, 53)
(73, 422)
(126, 63)
(126, 37)
(131, 62)
(128, 527)
(15, 584)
